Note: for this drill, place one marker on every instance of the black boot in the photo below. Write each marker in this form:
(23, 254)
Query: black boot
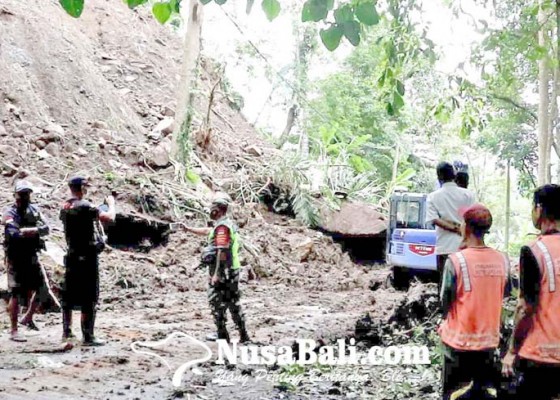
(244, 336)
(223, 334)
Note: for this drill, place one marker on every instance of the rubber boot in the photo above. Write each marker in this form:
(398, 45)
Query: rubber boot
(243, 335)
(223, 334)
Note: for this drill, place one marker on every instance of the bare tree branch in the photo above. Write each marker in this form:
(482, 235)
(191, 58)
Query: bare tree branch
(516, 105)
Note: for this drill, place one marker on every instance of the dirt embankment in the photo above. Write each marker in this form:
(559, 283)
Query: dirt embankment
(96, 96)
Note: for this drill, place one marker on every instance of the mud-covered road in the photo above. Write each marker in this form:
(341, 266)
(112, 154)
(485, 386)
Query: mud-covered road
(277, 315)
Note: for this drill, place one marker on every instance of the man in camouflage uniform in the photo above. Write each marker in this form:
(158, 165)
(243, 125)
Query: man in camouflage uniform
(223, 288)
(24, 229)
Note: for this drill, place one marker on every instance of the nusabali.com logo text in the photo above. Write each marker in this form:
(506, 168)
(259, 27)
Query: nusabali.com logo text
(304, 353)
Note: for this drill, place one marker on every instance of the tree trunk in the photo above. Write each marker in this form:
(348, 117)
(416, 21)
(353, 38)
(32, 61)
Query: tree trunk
(543, 134)
(187, 86)
(556, 130)
(395, 173)
(508, 205)
(292, 114)
(304, 51)
(304, 144)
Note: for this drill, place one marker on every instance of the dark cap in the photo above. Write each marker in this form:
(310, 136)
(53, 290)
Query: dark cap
(23, 186)
(78, 181)
(478, 217)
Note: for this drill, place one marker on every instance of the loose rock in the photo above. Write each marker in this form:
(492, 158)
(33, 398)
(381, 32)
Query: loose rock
(159, 155)
(165, 126)
(53, 149)
(7, 150)
(43, 154)
(253, 150)
(168, 111)
(55, 129)
(99, 125)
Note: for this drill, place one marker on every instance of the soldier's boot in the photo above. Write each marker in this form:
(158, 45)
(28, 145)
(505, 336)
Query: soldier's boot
(239, 320)
(88, 327)
(223, 333)
(244, 336)
(219, 314)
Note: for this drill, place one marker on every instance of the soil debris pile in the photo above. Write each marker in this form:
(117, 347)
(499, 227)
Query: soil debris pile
(91, 99)
(405, 317)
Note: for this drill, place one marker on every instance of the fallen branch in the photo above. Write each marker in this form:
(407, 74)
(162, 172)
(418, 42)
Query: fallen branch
(224, 119)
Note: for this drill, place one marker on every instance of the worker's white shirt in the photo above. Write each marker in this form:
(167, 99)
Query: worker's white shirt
(445, 203)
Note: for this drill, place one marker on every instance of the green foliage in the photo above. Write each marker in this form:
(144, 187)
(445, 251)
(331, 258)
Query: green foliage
(162, 11)
(316, 10)
(331, 37)
(293, 369)
(367, 13)
(135, 3)
(110, 176)
(348, 17)
(73, 7)
(290, 174)
(271, 8)
(495, 114)
(360, 113)
(234, 98)
(192, 177)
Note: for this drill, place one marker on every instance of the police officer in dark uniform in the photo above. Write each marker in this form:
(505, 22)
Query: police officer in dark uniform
(24, 230)
(81, 222)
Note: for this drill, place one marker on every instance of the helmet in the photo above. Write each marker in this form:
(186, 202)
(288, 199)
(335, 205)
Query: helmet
(460, 167)
(221, 199)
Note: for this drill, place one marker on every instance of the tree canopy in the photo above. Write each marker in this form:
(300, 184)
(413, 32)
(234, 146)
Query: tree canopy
(346, 19)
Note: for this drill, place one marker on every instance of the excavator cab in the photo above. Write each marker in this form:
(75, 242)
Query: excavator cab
(411, 241)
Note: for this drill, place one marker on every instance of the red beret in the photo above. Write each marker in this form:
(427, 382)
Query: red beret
(477, 216)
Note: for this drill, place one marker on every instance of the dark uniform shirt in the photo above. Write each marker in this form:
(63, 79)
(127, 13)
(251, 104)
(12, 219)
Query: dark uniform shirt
(15, 244)
(79, 218)
(81, 283)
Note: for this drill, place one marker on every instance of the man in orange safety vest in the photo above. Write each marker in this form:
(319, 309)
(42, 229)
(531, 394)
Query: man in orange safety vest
(534, 350)
(474, 284)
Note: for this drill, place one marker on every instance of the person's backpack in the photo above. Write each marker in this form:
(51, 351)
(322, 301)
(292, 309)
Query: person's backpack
(208, 255)
(100, 240)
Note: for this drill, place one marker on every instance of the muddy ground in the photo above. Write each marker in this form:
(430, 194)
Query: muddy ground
(277, 314)
(96, 96)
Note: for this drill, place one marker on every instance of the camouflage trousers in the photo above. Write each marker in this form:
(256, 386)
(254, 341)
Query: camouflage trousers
(226, 295)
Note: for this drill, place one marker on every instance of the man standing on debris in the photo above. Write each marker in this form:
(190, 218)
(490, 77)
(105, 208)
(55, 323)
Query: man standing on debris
(475, 282)
(24, 230)
(223, 267)
(534, 349)
(84, 240)
(443, 212)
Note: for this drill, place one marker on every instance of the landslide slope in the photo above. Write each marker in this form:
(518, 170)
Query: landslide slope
(87, 95)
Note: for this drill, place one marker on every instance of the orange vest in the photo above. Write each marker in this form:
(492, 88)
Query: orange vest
(542, 343)
(473, 321)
